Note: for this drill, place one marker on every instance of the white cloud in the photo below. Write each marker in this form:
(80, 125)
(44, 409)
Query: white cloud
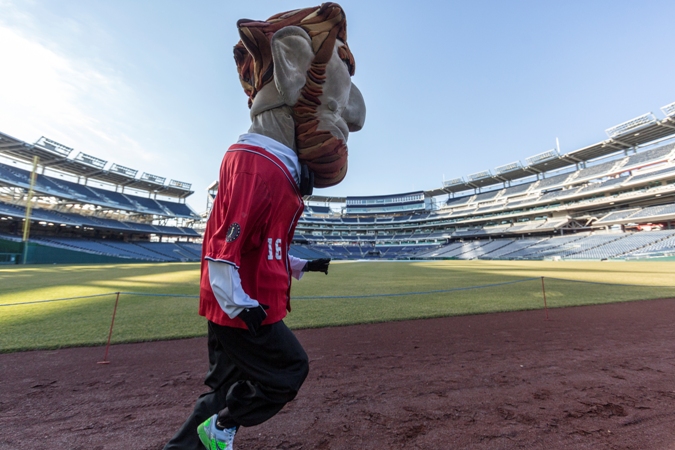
(46, 92)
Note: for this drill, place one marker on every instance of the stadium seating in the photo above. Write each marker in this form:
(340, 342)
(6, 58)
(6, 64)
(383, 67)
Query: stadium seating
(557, 194)
(649, 156)
(515, 214)
(169, 251)
(594, 171)
(57, 217)
(463, 217)
(518, 189)
(482, 197)
(664, 245)
(576, 246)
(512, 248)
(192, 248)
(305, 252)
(579, 248)
(618, 215)
(534, 248)
(604, 185)
(115, 198)
(317, 209)
(610, 246)
(459, 201)
(177, 209)
(549, 182)
(46, 185)
(668, 172)
(140, 251)
(66, 189)
(14, 175)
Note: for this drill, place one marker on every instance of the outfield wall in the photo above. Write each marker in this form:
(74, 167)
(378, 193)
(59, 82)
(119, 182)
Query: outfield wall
(11, 253)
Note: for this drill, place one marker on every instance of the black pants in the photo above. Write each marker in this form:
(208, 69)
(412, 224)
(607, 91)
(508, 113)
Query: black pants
(253, 376)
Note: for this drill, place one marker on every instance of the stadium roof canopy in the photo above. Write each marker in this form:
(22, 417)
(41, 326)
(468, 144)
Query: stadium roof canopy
(57, 157)
(623, 137)
(48, 151)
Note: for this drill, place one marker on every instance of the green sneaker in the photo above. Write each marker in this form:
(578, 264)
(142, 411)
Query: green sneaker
(214, 438)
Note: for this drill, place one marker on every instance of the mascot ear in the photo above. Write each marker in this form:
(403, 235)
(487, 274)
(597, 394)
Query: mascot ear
(292, 55)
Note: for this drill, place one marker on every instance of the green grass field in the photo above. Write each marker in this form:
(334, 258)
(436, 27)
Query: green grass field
(364, 284)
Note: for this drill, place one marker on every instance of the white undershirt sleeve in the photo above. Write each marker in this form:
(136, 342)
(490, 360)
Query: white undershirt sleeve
(297, 265)
(226, 285)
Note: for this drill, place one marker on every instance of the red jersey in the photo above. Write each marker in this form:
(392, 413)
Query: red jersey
(251, 225)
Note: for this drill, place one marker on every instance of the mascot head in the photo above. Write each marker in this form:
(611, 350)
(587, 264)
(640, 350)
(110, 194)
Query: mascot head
(300, 59)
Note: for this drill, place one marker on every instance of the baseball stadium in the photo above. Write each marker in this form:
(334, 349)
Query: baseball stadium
(333, 289)
(611, 200)
(533, 300)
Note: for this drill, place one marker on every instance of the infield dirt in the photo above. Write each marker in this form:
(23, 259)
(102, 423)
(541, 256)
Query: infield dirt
(593, 377)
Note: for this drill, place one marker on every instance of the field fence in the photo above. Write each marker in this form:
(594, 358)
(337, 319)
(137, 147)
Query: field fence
(335, 297)
(106, 294)
(154, 314)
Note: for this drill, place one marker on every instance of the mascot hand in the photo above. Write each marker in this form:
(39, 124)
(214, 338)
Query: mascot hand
(253, 317)
(317, 265)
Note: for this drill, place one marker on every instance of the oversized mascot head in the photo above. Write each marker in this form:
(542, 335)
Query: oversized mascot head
(300, 59)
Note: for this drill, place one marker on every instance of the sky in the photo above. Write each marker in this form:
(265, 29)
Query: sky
(451, 88)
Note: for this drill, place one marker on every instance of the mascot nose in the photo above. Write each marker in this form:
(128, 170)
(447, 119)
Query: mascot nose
(355, 112)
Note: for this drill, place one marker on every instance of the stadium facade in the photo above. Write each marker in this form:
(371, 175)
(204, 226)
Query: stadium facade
(614, 199)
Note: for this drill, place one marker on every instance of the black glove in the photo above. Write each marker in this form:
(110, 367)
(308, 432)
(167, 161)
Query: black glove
(253, 317)
(317, 265)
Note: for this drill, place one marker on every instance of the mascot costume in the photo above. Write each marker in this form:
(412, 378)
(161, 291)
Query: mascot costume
(296, 70)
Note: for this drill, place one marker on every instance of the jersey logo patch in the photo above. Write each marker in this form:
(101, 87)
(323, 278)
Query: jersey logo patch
(233, 232)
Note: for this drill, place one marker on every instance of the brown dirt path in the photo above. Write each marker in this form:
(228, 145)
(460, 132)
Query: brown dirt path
(595, 377)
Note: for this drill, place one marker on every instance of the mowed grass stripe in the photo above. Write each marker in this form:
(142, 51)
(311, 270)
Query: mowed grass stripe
(86, 321)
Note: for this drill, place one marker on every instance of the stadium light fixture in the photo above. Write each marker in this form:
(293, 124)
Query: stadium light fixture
(508, 167)
(631, 125)
(131, 173)
(54, 146)
(153, 178)
(454, 182)
(479, 175)
(180, 185)
(91, 160)
(541, 157)
(669, 110)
